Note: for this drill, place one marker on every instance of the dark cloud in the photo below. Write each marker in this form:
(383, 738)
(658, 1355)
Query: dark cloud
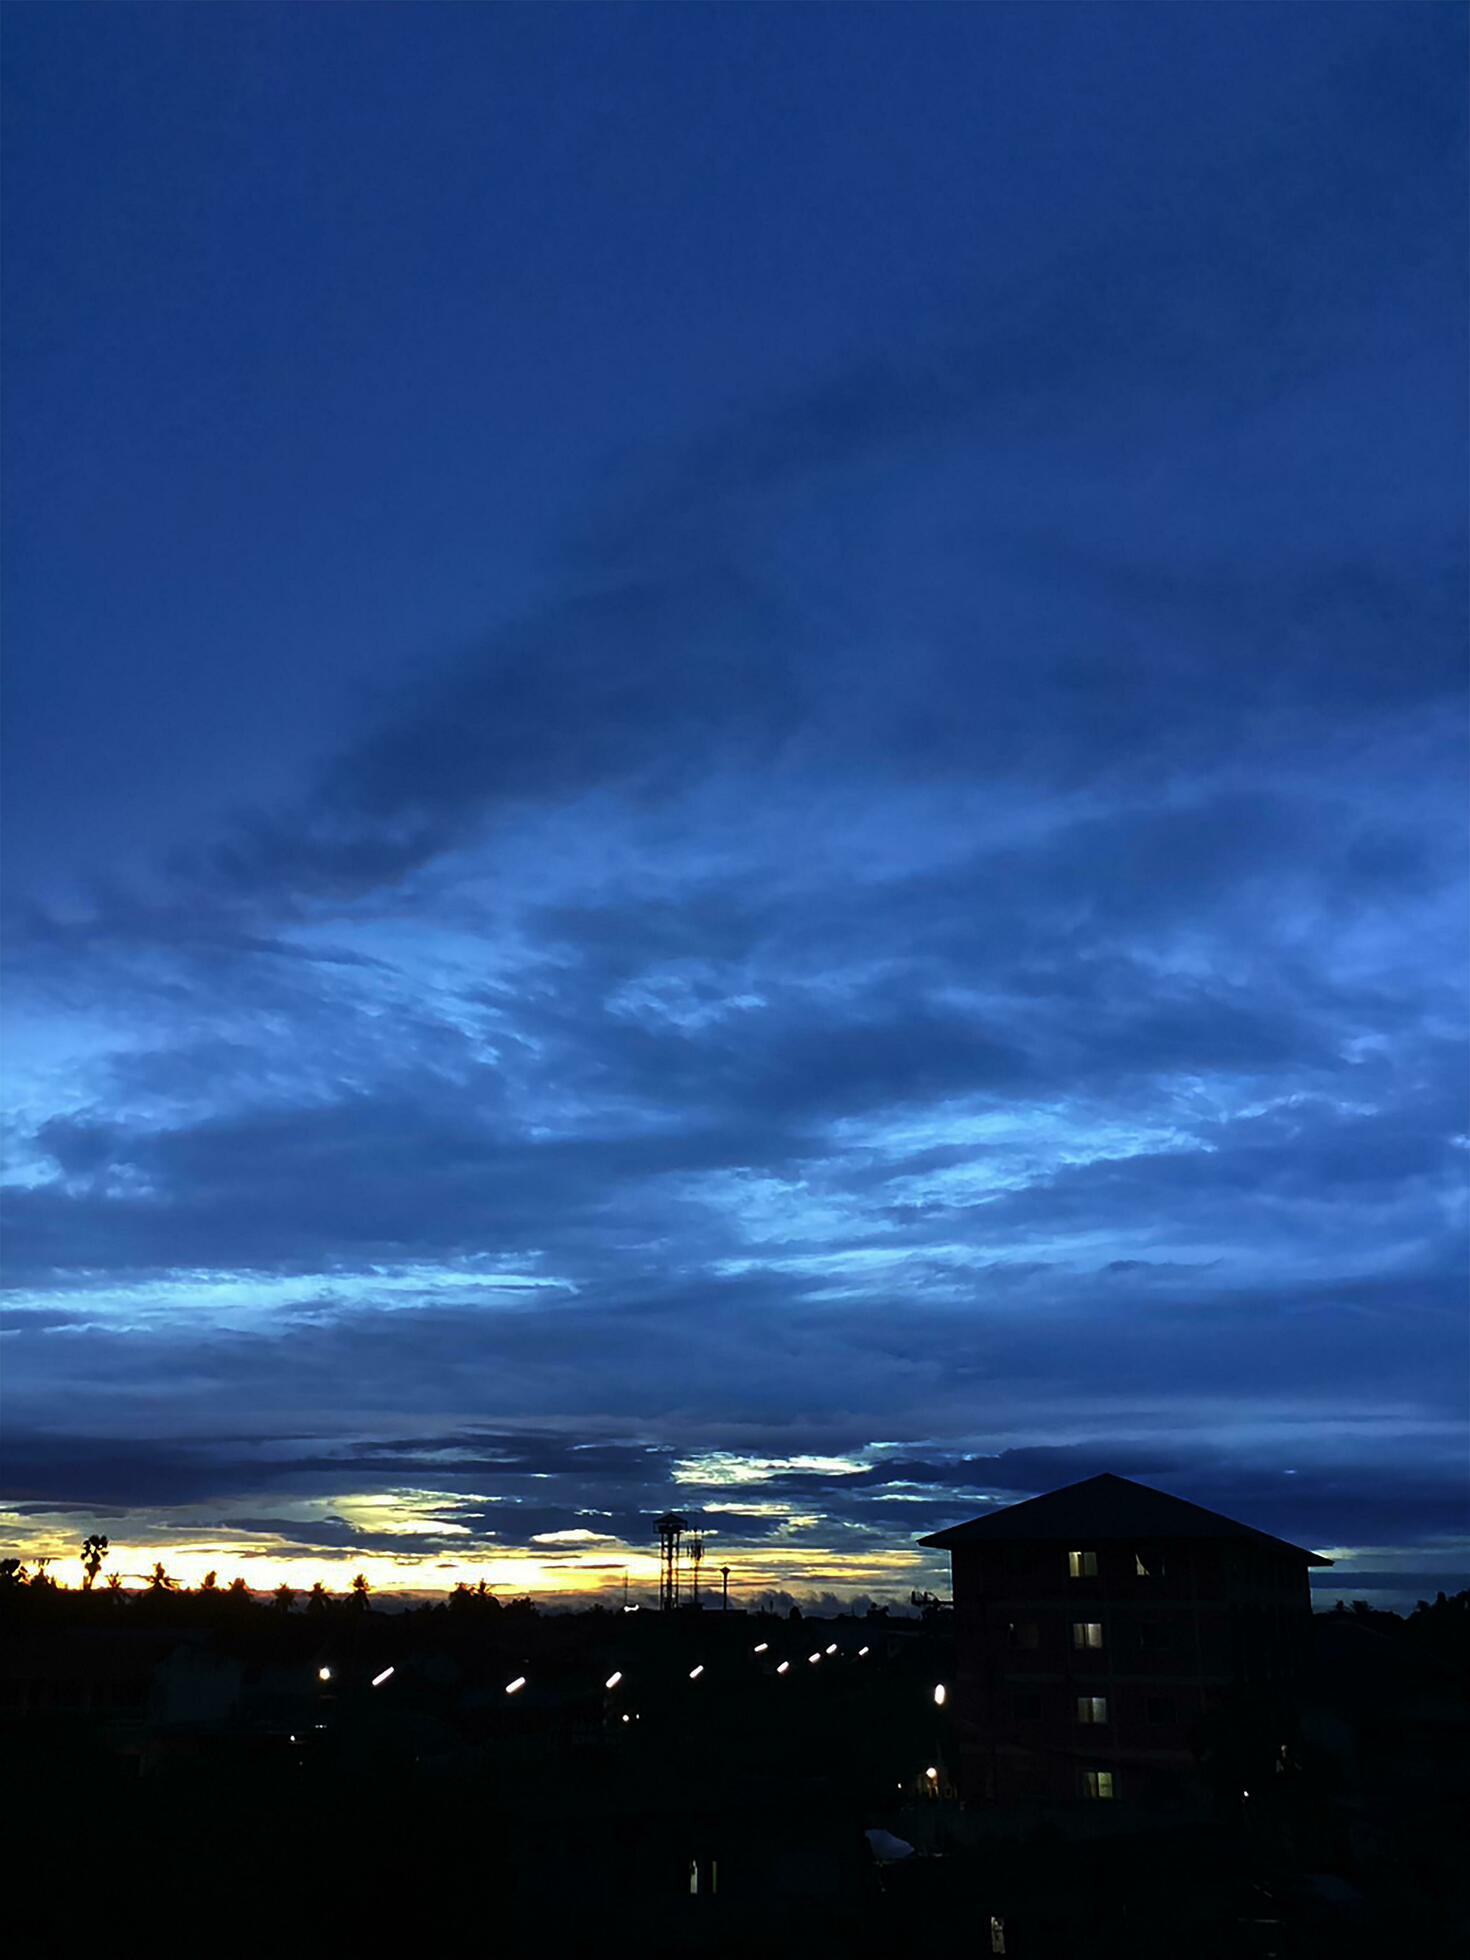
(934, 917)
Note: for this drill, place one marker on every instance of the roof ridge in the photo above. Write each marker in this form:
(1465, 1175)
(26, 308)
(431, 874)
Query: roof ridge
(1154, 1511)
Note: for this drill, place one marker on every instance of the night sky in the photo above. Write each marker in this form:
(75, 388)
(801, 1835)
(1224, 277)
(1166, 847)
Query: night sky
(736, 776)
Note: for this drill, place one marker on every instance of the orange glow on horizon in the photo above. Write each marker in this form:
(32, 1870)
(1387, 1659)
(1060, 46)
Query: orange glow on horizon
(510, 1574)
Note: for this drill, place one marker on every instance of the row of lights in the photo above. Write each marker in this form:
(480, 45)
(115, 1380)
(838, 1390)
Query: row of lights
(941, 1693)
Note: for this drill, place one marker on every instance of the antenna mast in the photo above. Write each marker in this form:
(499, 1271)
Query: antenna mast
(670, 1528)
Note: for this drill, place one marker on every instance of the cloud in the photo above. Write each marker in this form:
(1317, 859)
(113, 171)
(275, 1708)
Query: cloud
(940, 927)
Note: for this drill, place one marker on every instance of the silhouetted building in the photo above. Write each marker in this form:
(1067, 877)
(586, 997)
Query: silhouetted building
(1107, 1635)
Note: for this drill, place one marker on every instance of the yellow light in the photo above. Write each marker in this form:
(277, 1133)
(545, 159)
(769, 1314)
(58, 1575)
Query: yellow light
(514, 1687)
(695, 1672)
(941, 1695)
(761, 1646)
(613, 1678)
(324, 1674)
(932, 1774)
(538, 1570)
(782, 1666)
(379, 1679)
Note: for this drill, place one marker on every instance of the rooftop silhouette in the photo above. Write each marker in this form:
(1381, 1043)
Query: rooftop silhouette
(1105, 1506)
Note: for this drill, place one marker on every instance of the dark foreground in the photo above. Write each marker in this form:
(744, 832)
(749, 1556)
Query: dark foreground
(245, 1787)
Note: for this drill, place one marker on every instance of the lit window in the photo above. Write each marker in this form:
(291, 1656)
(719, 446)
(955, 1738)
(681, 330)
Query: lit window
(1141, 1566)
(1082, 1565)
(1086, 1633)
(1092, 1708)
(997, 1934)
(1148, 1565)
(1097, 1783)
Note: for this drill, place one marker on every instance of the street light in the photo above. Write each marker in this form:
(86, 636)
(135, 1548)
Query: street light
(695, 1672)
(783, 1667)
(613, 1678)
(324, 1674)
(941, 1695)
(379, 1679)
(760, 1646)
(514, 1687)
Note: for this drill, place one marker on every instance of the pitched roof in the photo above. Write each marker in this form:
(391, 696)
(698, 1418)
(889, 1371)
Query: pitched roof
(1105, 1507)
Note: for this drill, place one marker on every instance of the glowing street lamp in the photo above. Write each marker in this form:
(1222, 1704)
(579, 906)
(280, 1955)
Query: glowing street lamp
(324, 1674)
(861, 1652)
(613, 1678)
(514, 1687)
(783, 1667)
(932, 1774)
(695, 1672)
(833, 1648)
(760, 1646)
(379, 1679)
(941, 1694)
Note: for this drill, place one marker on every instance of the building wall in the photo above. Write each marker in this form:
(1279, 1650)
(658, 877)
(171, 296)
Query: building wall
(1203, 1619)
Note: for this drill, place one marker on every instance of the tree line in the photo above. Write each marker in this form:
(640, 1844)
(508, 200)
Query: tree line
(37, 1583)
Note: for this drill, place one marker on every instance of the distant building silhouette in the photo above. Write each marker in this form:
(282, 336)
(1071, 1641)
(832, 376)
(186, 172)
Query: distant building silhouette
(1105, 1633)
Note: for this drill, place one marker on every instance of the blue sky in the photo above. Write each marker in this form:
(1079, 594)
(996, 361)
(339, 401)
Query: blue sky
(735, 771)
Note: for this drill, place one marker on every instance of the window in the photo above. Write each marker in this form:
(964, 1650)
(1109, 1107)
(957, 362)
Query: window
(1097, 1783)
(1153, 1636)
(1026, 1708)
(1082, 1565)
(1086, 1633)
(1161, 1711)
(1024, 1633)
(1092, 1708)
(1148, 1565)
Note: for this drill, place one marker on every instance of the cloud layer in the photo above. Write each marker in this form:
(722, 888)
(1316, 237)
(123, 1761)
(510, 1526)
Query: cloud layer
(926, 961)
